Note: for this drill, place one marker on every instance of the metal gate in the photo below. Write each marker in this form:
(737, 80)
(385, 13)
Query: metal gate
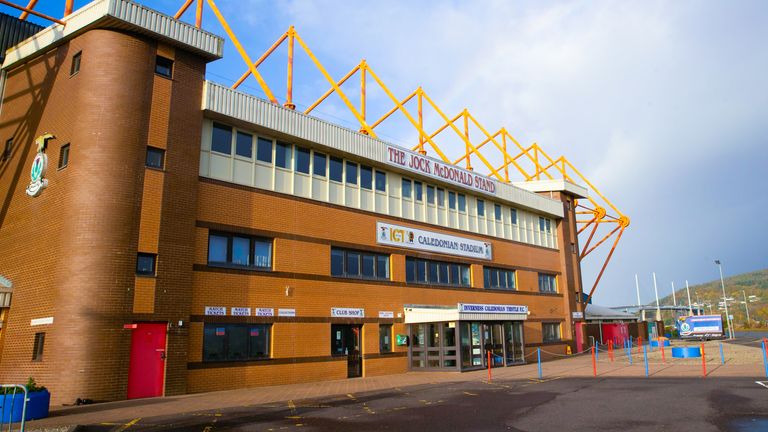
(10, 399)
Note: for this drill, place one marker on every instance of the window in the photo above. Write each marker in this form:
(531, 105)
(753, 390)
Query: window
(283, 155)
(145, 264)
(7, 149)
(302, 160)
(452, 200)
(423, 271)
(385, 338)
(351, 173)
(547, 283)
(550, 332)
(497, 212)
(356, 264)
(164, 66)
(480, 207)
(366, 177)
(407, 188)
(513, 216)
(64, 156)
(494, 278)
(336, 169)
(417, 190)
(264, 150)
(239, 251)
(381, 181)
(37, 349)
(233, 342)
(462, 203)
(75, 66)
(319, 164)
(430, 195)
(545, 225)
(221, 141)
(155, 158)
(440, 197)
(244, 145)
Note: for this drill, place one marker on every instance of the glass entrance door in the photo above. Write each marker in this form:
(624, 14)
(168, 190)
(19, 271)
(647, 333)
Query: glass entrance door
(494, 342)
(345, 340)
(513, 332)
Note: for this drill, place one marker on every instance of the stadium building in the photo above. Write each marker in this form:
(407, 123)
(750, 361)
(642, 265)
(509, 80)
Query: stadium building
(162, 234)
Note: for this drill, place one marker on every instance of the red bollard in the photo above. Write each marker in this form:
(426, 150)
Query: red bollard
(610, 350)
(703, 363)
(661, 344)
(594, 364)
(489, 366)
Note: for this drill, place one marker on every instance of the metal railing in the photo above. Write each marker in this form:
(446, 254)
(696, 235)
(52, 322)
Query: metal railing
(7, 398)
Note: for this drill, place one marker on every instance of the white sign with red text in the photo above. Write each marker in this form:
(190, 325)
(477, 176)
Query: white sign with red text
(440, 170)
(414, 238)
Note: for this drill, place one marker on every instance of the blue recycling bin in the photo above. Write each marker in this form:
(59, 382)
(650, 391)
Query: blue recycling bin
(37, 406)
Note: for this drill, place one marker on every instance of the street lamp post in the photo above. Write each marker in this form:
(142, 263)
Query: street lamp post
(746, 306)
(725, 299)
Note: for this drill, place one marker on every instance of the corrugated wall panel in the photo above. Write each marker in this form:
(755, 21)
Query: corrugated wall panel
(13, 31)
(231, 103)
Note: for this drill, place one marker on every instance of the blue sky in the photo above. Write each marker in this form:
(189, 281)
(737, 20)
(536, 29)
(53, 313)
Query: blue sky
(663, 105)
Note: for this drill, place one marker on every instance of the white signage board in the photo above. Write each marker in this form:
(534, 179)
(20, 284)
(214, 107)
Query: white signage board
(241, 311)
(439, 170)
(216, 310)
(265, 312)
(347, 312)
(413, 238)
(577, 315)
(386, 314)
(492, 308)
(41, 321)
(286, 312)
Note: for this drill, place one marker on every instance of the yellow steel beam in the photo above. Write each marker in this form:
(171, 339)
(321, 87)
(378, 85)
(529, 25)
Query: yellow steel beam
(330, 90)
(182, 9)
(261, 59)
(394, 109)
(605, 264)
(30, 6)
(242, 52)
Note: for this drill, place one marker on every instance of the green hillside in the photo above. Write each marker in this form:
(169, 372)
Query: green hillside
(710, 293)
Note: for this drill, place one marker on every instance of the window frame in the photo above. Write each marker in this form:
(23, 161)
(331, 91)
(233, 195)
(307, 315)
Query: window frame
(268, 333)
(299, 159)
(316, 157)
(160, 59)
(385, 330)
(153, 271)
(64, 156)
(480, 204)
(38, 347)
(238, 134)
(162, 158)
(435, 267)
(221, 126)
(7, 149)
(346, 255)
(558, 337)
(74, 66)
(252, 257)
(488, 272)
(287, 157)
(547, 276)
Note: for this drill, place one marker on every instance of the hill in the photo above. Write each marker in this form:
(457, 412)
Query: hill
(711, 293)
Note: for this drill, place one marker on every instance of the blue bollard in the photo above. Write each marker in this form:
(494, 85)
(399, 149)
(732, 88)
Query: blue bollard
(722, 356)
(539, 355)
(645, 355)
(765, 360)
(629, 354)
(597, 352)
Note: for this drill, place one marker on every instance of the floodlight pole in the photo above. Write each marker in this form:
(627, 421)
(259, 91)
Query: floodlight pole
(725, 300)
(746, 306)
(656, 290)
(674, 299)
(639, 305)
(688, 290)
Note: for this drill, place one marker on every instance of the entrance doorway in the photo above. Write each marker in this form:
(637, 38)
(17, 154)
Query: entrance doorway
(345, 341)
(494, 342)
(146, 370)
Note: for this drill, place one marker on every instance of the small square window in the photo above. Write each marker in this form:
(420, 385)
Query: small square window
(164, 66)
(64, 156)
(145, 264)
(37, 350)
(244, 145)
(75, 66)
(155, 158)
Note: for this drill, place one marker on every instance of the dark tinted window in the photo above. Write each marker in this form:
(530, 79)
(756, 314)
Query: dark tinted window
(235, 342)
(37, 349)
(452, 200)
(351, 173)
(406, 188)
(319, 164)
(64, 157)
(283, 155)
(155, 157)
(419, 270)
(417, 190)
(513, 216)
(302, 160)
(494, 278)
(75, 66)
(351, 263)
(244, 145)
(381, 181)
(7, 150)
(366, 177)
(221, 141)
(337, 262)
(264, 150)
(336, 168)
(430, 194)
(164, 66)
(440, 197)
(462, 203)
(385, 338)
(239, 251)
(497, 212)
(145, 264)
(480, 207)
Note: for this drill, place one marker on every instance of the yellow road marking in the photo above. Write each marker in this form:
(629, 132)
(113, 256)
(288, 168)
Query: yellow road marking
(470, 394)
(351, 396)
(127, 425)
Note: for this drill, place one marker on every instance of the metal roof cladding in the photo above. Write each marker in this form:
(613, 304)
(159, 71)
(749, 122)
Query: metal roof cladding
(13, 31)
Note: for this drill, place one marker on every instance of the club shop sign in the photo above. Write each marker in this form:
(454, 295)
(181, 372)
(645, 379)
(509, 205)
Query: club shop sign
(439, 170)
(412, 238)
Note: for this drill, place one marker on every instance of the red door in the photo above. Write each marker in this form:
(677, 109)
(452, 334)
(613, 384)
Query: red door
(147, 368)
